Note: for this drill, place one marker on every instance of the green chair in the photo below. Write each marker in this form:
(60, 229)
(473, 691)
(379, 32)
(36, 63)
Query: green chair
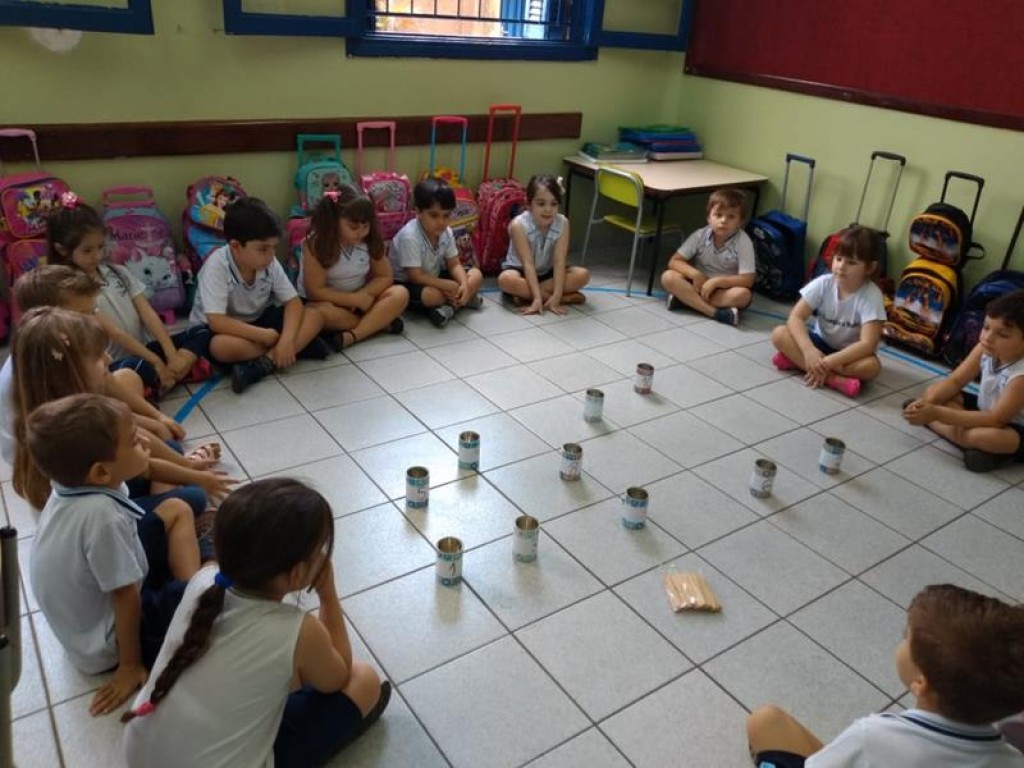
(627, 189)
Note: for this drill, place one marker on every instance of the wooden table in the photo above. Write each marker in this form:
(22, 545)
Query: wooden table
(666, 179)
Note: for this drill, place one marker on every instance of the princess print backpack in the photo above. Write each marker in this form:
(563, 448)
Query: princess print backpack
(318, 171)
(203, 217)
(389, 190)
(139, 238)
(26, 199)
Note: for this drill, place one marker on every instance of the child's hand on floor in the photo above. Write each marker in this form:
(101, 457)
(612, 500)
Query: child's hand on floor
(536, 307)
(125, 682)
(556, 306)
(217, 485)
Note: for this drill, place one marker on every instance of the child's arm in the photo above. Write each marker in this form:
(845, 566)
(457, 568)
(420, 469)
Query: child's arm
(381, 277)
(130, 674)
(230, 326)
(559, 263)
(158, 331)
(517, 236)
(720, 282)
(449, 288)
(140, 406)
(136, 348)
(216, 484)
(314, 280)
(932, 406)
(867, 344)
(461, 279)
(283, 353)
(323, 654)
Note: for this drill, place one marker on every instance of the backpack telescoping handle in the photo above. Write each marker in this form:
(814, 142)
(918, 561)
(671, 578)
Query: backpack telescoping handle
(810, 161)
(385, 125)
(492, 112)
(22, 133)
(1013, 240)
(880, 154)
(449, 119)
(331, 139)
(980, 182)
(127, 197)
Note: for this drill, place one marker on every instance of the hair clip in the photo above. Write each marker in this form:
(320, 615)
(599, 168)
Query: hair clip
(334, 194)
(69, 200)
(57, 355)
(223, 580)
(561, 184)
(146, 708)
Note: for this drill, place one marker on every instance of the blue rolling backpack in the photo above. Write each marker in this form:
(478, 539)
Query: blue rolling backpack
(779, 242)
(967, 327)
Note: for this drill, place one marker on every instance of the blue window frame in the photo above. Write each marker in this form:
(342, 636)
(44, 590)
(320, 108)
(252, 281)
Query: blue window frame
(136, 18)
(553, 30)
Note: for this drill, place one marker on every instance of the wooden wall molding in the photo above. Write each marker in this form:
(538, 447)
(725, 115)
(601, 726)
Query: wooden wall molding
(83, 141)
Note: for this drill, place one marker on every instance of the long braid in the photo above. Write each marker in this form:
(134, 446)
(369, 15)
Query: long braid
(195, 643)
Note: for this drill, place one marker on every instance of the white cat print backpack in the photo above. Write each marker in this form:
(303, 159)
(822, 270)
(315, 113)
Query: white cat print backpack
(139, 237)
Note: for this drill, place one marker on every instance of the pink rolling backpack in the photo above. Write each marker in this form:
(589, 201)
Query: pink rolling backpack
(499, 200)
(390, 191)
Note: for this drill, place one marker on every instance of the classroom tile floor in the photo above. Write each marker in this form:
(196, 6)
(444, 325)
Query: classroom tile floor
(576, 659)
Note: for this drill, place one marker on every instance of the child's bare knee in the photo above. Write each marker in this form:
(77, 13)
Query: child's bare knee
(767, 717)
(171, 511)
(780, 335)
(363, 686)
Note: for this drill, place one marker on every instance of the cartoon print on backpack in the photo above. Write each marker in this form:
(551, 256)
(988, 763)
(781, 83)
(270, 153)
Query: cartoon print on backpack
(154, 272)
(211, 206)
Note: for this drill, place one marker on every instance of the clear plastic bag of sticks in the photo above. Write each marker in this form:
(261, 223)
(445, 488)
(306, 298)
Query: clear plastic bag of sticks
(689, 591)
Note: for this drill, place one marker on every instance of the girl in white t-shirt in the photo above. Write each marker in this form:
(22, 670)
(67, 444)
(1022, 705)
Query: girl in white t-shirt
(988, 426)
(840, 350)
(243, 678)
(344, 269)
(535, 273)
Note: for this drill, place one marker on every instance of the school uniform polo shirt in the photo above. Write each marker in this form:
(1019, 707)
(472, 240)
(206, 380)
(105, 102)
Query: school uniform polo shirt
(735, 257)
(222, 291)
(411, 248)
(118, 289)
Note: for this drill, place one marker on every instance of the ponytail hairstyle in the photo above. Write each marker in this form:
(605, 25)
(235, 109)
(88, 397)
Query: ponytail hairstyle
(54, 350)
(350, 204)
(66, 227)
(261, 531)
(550, 182)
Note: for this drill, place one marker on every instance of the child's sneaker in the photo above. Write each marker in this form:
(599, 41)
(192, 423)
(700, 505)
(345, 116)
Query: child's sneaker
(475, 303)
(396, 326)
(333, 340)
(847, 385)
(244, 375)
(673, 303)
(983, 461)
(783, 363)
(317, 349)
(201, 371)
(440, 316)
(728, 316)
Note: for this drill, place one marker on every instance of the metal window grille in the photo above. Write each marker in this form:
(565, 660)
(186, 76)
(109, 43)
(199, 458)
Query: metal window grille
(524, 19)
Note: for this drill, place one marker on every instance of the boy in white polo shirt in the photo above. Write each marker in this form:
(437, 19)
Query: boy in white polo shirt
(962, 657)
(714, 269)
(257, 319)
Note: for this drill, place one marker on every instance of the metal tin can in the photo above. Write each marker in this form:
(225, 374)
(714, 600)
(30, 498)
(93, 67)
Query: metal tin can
(469, 450)
(572, 461)
(449, 561)
(634, 508)
(525, 538)
(644, 379)
(593, 405)
(831, 457)
(762, 478)
(417, 487)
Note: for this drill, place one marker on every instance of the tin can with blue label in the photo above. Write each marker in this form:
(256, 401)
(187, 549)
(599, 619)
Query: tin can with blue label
(469, 450)
(762, 478)
(525, 538)
(449, 561)
(572, 461)
(417, 487)
(831, 457)
(634, 508)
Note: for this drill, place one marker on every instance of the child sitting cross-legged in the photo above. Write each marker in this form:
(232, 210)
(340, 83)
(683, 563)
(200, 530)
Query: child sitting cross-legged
(962, 658)
(989, 426)
(108, 576)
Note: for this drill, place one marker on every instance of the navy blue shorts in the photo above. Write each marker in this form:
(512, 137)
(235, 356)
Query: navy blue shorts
(778, 759)
(195, 340)
(541, 276)
(314, 728)
(822, 345)
(971, 404)
(160, 593)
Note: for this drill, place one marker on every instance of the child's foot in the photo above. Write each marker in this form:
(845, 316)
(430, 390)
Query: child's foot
(244, 375)
(317, 349)
(728, 316)
(206, 455)
(475, 302)
(907, 403)
(574, 297)
(983, 461)
(347, 338)
(848, 385)
(673, 303)
(201, 370)
(396, 326)
(783, 363)
(440, 316)
(510, 299)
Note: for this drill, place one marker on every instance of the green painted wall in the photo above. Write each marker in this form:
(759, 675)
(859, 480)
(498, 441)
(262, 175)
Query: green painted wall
(753, 128)
(191, 70)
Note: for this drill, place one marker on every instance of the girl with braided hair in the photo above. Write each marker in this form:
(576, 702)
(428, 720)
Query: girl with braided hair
(244, 679)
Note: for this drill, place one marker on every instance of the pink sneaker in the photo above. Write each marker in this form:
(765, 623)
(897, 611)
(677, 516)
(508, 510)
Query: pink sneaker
(848, 385)
(782, 362)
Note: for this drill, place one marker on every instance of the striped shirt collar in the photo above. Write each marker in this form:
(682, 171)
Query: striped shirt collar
(119, 497)
(731, 243)
(931, 721)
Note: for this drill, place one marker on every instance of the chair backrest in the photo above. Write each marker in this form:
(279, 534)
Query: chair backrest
(621, 186)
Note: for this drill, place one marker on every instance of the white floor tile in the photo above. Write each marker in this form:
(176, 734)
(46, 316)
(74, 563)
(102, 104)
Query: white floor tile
(623, 356)
(622, 460)
(263, 402)
(797, 402)
(342, 482)
(503, 440)
(983, 550)
(624, 407)
(467, 358)
(439, 405)
(589, 750)
(470, 509)
(735, 371)
(744, 419)
(530, 344)
(682, 344)
(386, 464)
(584, 333)
(575, 371)
(331, 387)
(35, 745)
(560, 420)
(731, 474)
(800, 451)
(265, 448)
(534, 486)
(89, 741)
(694, 511)
(512, 387)
(1004, 511)
(409, 370)
(685, 439)
(369, 422)
(945, 476)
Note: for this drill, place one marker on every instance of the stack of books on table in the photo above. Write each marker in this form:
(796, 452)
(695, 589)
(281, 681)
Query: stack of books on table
(664, 142)
(623, 152)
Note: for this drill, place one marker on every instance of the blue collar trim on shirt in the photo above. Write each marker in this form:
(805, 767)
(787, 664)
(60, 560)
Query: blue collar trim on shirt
(263, 274)
(709, 239)
(96, 490)
(947, 728)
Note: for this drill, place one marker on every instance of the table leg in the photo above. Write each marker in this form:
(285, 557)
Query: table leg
(659, 206)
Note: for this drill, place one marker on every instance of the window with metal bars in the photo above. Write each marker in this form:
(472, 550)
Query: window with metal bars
(566, 30)
(129, 16)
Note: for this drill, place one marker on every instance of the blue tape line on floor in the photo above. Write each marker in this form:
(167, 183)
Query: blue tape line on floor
(192, 402)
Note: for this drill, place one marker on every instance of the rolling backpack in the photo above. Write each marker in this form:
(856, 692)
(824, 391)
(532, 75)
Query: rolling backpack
(390, 191)
(822, 263)
(26, 199)
(499, 200)
(466, 215)
(318, 172)
(139, 238)
(296, 231)
(930, 290)
(966, 329)
(203, 217)
(779, 242)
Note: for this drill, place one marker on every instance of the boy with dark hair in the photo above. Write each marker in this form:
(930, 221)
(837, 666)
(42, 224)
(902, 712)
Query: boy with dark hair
(257, 318)
(107, 575)
(989, 426)
(425, 258)
(714, 269)
(962, 657)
